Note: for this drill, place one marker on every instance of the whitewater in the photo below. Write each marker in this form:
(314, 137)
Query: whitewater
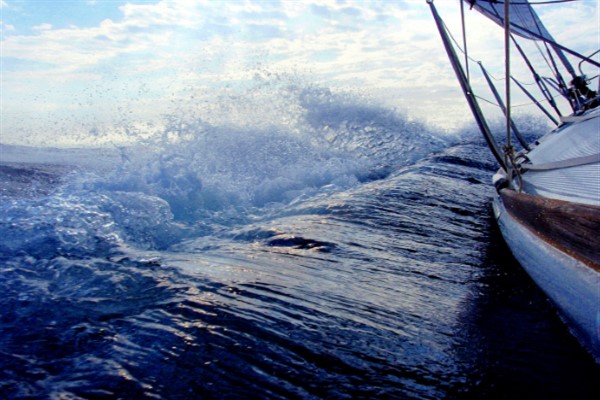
(348, 253)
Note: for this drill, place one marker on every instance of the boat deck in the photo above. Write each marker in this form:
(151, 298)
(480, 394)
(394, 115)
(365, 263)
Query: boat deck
(578, 139)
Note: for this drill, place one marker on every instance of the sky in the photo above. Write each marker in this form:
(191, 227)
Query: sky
(92, 71)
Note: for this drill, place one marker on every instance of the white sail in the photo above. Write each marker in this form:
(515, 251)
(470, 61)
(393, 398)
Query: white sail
(524, 21)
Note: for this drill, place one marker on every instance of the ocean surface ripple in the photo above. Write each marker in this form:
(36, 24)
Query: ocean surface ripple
(256, 263)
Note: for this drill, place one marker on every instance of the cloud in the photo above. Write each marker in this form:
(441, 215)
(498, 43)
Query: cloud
(176, 46)
(322, 11)
(171, 45)
(6, 27)
(42, 27)
(144, 27)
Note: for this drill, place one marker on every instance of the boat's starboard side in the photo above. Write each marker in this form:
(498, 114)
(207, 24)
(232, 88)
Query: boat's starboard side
(564, 266)
(571, 227)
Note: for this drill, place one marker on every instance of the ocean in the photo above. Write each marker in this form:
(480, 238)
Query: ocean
(350, 254)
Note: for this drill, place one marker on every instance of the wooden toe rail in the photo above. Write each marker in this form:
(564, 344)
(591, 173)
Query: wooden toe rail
(571, 227)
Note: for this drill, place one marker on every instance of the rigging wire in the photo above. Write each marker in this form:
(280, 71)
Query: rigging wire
(537, 34)
(537, 45)
(458, 46)
(464, 34)
(537, 3)
(581, 62)
(541, 52)
(533, 24)
(493, 103)
(544, 55)
(509, 148)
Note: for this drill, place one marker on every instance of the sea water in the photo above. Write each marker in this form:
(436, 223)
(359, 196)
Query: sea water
(349, 254)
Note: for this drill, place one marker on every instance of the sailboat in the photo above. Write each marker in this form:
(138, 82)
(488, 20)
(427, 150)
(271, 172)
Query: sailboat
(547, 197)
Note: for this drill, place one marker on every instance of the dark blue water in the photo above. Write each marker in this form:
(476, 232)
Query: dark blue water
(351, 256)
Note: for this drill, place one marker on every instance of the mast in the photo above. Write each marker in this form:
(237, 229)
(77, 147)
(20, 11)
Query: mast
(509, 147)
(466, 87)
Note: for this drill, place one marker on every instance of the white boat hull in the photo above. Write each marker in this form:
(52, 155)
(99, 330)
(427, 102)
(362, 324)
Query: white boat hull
(573, 286)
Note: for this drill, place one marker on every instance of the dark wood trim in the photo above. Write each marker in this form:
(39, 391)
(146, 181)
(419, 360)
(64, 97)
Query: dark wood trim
(571, 227)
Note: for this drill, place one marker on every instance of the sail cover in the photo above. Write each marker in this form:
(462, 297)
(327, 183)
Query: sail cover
(523, 19)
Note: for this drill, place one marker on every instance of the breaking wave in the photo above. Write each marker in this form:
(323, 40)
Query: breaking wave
(340, 251)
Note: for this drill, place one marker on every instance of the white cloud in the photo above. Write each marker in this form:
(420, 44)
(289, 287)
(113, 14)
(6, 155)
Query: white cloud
(173, 45)
(70, 49)
(6, 27)
(42, 27)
